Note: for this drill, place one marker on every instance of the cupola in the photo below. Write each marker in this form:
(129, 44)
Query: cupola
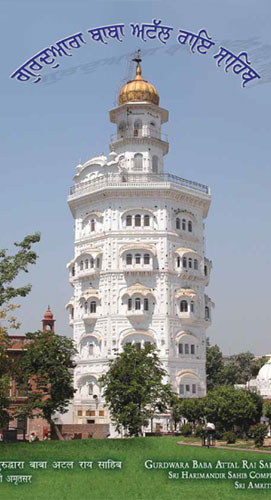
(138, 89)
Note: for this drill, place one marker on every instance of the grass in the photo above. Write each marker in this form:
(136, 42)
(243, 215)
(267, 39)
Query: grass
(240, 443)
(133, 482)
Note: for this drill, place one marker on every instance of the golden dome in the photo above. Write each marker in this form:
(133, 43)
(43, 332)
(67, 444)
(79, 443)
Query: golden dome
(138, 89)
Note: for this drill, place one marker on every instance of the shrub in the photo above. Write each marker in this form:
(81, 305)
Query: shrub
(219, 433)
(258, 432)
(198, 430)
(230, 437)
(186, 429)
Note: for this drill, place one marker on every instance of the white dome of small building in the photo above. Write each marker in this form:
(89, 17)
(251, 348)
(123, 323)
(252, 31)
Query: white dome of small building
(265, 372)
(262, 383)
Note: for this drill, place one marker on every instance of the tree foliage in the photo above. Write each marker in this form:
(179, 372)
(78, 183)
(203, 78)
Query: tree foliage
(10, 267)
(214, 366)
(239, 369)
(227, 407)
(190, 409)
(267, 411)
(45, 368)
(258, 432)
(134, 390)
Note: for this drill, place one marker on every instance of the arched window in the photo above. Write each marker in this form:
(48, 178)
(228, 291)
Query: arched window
(128, 220)
(121, 129)
(137, 304)
(146, 259)
(155, 164)
(192, 306)
(205, 270)
(196, 264)
(81, 265)
(129, 259)
(92, 225)
(93, 306)
(190, 226)
(184, 262)
(146, 304)
(180, 348)
(190, 263)
(138, 128)
(207, 313)
(192, 347)
(72, 312)
(129, 304)
(186, 348)
(91, 349)
(146, 220)
(138, 220)
(184, 224)
(138, 162)
(178, 261)
(86, 264)
(90, 388)
(92, 262)
(98, 261)
(178, 223)
(183, 306)
(137, 258)
(73, 270)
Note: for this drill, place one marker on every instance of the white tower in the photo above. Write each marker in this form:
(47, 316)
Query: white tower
(139, 272)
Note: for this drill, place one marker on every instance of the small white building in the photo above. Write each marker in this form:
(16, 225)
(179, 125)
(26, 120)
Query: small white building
(262, 383)
(139, 269)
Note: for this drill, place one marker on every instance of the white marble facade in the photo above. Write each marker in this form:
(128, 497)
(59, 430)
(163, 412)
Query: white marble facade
(139, 270)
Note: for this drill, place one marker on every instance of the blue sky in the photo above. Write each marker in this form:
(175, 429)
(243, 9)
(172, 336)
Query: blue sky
(219, 135)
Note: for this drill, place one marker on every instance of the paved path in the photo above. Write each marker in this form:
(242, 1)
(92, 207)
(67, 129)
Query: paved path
(181, 443)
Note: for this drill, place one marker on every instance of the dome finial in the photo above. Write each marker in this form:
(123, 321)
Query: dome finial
(138, 60)
(138, 89)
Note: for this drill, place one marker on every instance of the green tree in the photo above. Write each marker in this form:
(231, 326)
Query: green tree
(241, 368)
(257, 365)
(45, 368)
(267, 411)
(214, 366)
(134, 390)
(10, 267)
(243, 361)
(192, 410)
(227, 407)
(176, 411)
(258, 432)
(230, 374)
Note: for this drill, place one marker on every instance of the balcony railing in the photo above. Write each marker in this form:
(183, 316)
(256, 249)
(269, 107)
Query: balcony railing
(134, 181)
(138, 134)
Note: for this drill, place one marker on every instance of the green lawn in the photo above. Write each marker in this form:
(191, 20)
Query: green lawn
(240, 443)
(133, 482)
